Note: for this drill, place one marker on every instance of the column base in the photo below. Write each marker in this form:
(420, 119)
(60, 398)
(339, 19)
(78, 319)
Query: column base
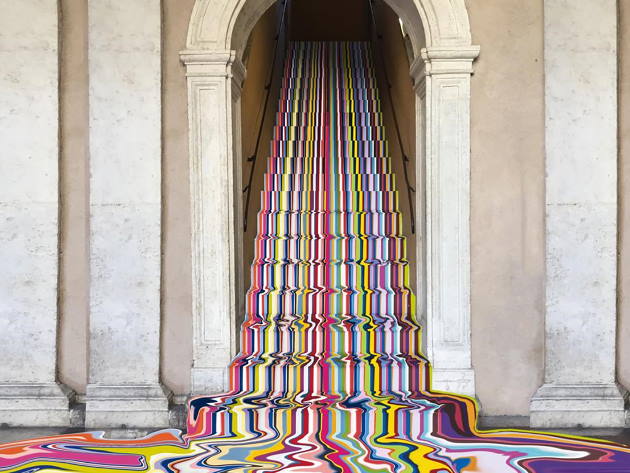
(577, 406)
(456, 381)
(209, 380)
(35, 405)
(126, 407)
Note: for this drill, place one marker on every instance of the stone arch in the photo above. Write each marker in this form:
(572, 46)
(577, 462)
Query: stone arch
(226, 24)
(441, 69)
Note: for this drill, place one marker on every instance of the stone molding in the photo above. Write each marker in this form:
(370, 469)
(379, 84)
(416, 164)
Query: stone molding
(35, 404)
(577, 406)
(214, 64)
(127, 406)
(444, 60)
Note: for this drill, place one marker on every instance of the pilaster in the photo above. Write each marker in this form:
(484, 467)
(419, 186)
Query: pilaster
(29, 208)
(125, 216)
(214, 89)
(442, 81)
(581, 218)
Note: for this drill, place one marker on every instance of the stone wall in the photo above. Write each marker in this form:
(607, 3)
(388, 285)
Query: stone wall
(403, 101)
(508, 200)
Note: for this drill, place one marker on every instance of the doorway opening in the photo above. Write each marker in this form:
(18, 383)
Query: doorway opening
(436, 41)
(368, 21)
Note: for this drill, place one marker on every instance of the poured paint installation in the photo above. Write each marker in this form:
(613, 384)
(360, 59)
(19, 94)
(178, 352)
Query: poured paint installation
(330, 377)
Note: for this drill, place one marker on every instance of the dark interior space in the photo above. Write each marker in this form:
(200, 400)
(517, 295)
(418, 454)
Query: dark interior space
(329, 20)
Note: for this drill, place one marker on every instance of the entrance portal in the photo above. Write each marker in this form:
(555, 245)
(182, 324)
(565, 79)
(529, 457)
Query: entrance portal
(441, 65)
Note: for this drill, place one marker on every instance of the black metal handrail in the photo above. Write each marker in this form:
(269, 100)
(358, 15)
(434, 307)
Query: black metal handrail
(410, 189)
(253, 157)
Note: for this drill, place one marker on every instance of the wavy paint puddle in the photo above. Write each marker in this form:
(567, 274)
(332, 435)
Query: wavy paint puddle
(330, 378)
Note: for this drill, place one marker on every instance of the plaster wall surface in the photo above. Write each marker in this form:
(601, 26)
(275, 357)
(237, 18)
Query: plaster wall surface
(507, 203)
(623, 336)
(74, 186)
(176, 337)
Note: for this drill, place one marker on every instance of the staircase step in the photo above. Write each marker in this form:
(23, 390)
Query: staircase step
(342, 182)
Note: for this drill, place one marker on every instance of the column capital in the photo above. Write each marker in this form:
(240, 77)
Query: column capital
(443, 60)
(214, 63)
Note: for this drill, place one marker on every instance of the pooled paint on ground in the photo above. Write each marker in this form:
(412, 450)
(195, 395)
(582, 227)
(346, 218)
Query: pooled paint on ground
(330, 378)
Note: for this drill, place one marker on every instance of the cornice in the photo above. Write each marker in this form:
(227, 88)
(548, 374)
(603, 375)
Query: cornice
(443, 60)
(207, 57)
(218, 63)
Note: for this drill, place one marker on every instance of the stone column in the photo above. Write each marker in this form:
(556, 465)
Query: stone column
(125, 211)
(29, 207)
(214, 89)
(442, 81)
(581, 208)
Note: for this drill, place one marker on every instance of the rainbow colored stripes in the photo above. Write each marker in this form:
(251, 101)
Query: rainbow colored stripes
(329, 309)
(330, 377)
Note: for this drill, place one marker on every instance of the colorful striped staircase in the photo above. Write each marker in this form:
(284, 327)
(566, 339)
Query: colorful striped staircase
(329, 312)
(330, 327)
